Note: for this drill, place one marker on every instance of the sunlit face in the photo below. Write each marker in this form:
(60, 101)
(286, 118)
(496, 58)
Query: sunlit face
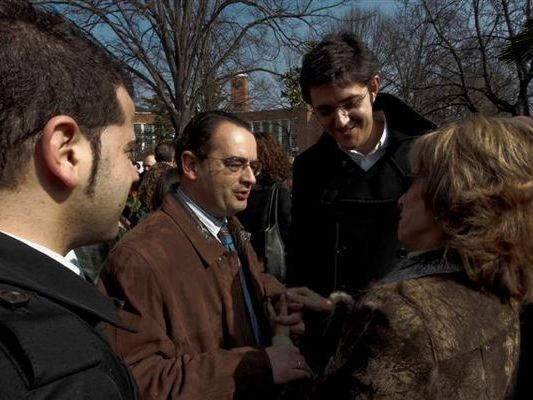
(418, 228)
(116, 173)
(217, 189)
(346, 113)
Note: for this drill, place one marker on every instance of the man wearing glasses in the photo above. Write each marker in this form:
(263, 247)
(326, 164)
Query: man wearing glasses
(346, 185)
(192, 284)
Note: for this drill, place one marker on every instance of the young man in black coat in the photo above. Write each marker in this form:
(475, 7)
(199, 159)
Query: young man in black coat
(346, 186)
(66, 134)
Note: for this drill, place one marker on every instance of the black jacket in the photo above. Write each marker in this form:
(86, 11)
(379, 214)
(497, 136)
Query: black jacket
(255, 217)
(50, 346)
(344, 219)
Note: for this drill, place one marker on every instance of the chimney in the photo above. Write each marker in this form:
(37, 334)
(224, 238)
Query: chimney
(240, 97)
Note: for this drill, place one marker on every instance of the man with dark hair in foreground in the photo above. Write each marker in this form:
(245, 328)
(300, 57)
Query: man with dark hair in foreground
(66, 135)
(192, 284)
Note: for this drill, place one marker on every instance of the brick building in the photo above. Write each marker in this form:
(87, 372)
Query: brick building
(296, 129)
(147, 131)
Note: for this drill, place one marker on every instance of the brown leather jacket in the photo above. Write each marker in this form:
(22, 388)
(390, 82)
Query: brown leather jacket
(183, 295)
(434, 336)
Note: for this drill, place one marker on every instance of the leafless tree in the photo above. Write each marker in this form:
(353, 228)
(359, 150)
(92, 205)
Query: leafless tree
(460, 43)
(185, 51)
(445, 57)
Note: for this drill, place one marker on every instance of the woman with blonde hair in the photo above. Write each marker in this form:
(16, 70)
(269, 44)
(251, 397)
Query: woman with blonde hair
(444, 323)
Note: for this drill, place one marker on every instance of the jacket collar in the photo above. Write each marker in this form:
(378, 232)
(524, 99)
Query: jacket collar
(29, 269)
(207, 246)
(433, 262)
(401, 118)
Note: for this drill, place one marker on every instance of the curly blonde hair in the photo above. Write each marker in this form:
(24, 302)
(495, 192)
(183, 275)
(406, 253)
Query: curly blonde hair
(478, 179)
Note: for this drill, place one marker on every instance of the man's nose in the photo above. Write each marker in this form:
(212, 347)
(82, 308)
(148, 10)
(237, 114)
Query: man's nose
(248, 175)
(341, 118)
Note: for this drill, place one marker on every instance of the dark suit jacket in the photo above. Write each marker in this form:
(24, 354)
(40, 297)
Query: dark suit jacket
(50, 346)
(344, 219)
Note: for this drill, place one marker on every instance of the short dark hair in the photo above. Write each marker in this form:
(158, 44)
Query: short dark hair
(196, 136)
(51, 67)
(164, 152)
(341, 59)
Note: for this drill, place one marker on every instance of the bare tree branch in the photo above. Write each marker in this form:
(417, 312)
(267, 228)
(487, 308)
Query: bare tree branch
(184, 52)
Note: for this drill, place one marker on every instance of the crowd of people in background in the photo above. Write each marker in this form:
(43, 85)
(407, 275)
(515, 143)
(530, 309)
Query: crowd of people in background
(392, 260)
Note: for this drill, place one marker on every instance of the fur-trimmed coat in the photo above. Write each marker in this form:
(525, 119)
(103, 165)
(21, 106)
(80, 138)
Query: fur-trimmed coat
(430, 336)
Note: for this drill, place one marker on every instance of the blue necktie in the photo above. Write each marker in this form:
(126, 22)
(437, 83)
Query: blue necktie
(225, 237)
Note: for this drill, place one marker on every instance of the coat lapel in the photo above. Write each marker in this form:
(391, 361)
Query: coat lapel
(208, 247)
(27, 268)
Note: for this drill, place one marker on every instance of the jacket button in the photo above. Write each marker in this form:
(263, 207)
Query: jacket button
(401, 253)
(342, 251)
(13, 298)
(118, 303)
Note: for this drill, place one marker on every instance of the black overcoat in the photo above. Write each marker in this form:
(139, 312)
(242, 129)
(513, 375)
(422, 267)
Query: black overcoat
(50, 345)
(344, 219)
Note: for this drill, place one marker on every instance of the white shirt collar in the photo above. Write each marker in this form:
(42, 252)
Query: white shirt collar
(366, 161)
(212, 224)
(50, 253)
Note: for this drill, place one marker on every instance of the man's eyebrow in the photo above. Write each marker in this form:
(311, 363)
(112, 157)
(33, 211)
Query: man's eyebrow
(353, 97)
(237, 158)
(345, 100)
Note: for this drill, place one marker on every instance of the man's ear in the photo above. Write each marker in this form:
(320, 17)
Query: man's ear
(62, 148)
(374, 87)
(190, 164)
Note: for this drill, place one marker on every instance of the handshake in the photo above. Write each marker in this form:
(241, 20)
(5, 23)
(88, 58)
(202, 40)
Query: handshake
(287, 324)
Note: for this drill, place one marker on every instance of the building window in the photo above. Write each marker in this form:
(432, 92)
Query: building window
(146, 136)
(265, 126)
(282, 129)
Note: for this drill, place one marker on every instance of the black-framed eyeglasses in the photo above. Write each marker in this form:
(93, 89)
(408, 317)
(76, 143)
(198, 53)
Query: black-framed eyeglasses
(239, 164)
(353, 103)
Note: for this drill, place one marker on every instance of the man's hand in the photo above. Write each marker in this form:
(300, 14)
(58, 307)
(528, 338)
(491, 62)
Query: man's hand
(287, 364)
(302, 297)
(284, 320)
